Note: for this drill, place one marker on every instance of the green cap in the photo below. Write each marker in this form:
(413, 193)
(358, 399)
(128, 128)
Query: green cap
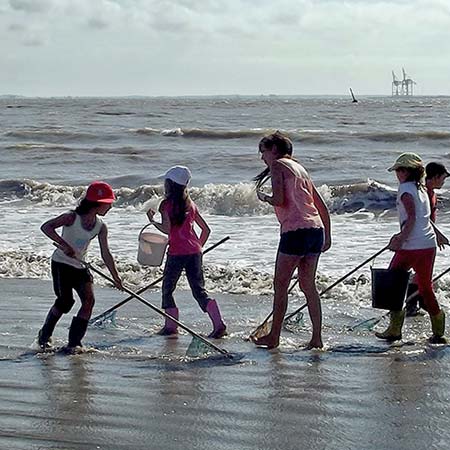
(407, 161)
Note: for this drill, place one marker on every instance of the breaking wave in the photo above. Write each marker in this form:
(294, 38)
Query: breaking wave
(319, 136)
(228, 279)
(310, 136)
(218, 278)
(219, 199)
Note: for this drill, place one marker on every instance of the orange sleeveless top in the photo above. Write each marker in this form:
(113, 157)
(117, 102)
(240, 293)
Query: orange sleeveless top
(299, 210)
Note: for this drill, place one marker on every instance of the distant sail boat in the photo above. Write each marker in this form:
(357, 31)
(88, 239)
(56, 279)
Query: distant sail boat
(353, 96)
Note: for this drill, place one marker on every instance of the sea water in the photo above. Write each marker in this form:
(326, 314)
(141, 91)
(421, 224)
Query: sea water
(131, 388)
(51, 149)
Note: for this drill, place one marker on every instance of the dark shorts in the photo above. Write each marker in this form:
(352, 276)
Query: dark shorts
(302, 242)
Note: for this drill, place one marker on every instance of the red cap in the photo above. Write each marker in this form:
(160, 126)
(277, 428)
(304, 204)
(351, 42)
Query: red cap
(100, 192)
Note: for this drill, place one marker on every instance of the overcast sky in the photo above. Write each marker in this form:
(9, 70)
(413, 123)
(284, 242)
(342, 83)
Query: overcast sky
(207, 47)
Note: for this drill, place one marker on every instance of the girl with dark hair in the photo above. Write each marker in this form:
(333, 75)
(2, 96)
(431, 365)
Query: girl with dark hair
(79, 227)
(305, 232)
(414, 245)
(179, 214)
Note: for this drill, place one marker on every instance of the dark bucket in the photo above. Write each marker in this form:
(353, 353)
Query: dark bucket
(389, 288)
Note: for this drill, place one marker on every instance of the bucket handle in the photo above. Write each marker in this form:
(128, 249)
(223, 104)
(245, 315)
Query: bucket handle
(372, 263)
(143, 228)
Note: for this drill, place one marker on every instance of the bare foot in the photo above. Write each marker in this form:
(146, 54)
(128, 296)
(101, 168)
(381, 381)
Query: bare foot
(314, 344)
(267, 341)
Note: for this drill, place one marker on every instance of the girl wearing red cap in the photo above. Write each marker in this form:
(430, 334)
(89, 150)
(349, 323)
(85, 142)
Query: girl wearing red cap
(79, 227)
(179, 214)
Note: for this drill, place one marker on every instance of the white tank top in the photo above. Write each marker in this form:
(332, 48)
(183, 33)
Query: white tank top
(79, 238)
(422, 235)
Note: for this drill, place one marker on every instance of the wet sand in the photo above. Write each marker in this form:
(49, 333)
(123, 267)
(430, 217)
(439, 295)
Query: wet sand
(132, 389)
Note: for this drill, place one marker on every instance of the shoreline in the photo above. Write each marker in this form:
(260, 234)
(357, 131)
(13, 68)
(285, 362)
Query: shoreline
(131, 388)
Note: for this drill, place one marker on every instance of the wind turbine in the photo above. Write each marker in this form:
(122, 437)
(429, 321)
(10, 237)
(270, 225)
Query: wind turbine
(407, 84)
(395, 84)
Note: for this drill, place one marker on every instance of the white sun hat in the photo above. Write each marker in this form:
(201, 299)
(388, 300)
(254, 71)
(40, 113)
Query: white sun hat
(178, 174)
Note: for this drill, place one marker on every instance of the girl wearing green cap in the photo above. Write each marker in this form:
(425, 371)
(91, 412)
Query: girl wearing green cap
(436, 173)
(415, 244)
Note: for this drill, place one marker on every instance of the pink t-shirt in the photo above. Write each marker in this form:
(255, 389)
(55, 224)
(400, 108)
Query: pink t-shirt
(299, 210)
(182, 238)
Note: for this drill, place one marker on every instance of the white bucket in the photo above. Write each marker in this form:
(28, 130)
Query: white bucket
(152, 248)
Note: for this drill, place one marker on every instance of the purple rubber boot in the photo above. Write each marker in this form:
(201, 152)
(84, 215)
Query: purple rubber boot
(170, 327)
(220, 328)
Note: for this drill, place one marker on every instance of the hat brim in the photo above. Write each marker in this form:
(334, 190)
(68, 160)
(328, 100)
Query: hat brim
(403, 166)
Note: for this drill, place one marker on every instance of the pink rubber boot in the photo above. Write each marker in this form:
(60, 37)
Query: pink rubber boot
(170, 327)
(220, 328)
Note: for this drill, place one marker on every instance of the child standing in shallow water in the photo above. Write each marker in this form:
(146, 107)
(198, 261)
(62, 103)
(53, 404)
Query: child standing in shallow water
(435, 175)
(179, 214)
(79, 227)
(305, 232)
(414, 245)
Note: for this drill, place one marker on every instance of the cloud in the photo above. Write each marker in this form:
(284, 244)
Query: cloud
(33, 41)
(239, 45)
(31, 6)
(97, 23)
(16, 27)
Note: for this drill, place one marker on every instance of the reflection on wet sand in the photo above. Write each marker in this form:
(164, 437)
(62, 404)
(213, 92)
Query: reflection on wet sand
(132, 389)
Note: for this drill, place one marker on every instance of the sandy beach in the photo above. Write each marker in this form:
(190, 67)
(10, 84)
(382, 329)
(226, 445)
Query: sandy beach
(132, 389)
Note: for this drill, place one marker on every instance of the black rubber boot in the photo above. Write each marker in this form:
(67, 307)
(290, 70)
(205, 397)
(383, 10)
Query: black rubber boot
(77, 331)
(411, 307)
(45, 333)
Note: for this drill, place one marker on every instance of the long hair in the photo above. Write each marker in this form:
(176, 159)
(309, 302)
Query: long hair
(284, 147)
(416, 175)
(85, 206)
(178, 197)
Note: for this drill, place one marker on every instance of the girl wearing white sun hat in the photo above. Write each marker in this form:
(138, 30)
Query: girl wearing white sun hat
(179, 215)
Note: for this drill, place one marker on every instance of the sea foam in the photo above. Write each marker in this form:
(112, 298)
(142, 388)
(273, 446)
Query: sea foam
(221, 199)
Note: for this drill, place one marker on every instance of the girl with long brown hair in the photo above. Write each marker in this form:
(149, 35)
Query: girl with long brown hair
(305, 232)
(179, 214)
